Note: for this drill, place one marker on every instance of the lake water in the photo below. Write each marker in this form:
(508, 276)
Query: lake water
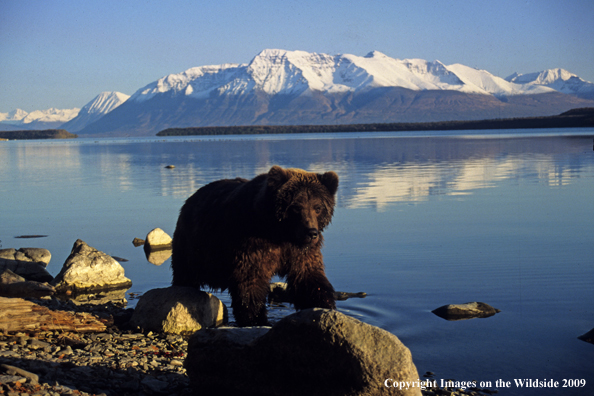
(423, 220)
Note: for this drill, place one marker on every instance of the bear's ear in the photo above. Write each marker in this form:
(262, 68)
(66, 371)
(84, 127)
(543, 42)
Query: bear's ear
(330, 181)
(277, 177)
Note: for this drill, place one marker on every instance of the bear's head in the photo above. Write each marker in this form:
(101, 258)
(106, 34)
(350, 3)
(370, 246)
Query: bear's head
(304, 202)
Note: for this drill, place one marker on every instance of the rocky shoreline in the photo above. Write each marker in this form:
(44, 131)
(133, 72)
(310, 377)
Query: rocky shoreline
(120, 361)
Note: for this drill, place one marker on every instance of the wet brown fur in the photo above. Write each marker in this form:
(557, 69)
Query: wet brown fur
(237, 234)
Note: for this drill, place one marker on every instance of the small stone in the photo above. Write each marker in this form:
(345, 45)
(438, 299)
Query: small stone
(138, 242)
(12, 370)
(11, 379)
(157, 238)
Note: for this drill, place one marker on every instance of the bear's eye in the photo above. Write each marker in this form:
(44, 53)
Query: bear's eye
(318, 209)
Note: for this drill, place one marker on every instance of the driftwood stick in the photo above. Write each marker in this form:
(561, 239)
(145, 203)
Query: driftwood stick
(17, 314)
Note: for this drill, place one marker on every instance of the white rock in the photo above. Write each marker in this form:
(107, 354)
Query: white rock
(158, 239)
(87, 269)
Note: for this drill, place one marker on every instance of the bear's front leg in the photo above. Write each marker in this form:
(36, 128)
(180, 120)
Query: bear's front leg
(248, 300)
(309, 287)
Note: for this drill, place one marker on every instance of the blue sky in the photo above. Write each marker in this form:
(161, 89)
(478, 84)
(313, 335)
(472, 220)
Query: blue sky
(63, 53)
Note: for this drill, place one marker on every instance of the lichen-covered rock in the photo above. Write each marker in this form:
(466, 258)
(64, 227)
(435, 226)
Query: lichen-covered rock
(313, 352)
(465, 311)
(89, 270)
(178, 310)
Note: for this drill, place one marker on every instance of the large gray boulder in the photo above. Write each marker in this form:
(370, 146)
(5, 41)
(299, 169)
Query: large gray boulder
(30, 263)
(312, 352)
(88, 270)
(178, 310)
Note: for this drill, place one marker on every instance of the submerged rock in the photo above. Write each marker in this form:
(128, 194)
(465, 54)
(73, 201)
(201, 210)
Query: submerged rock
(588, 337)
(178, 310)
(88, 270)
(465, 311)
(312, 352)
(278, 293)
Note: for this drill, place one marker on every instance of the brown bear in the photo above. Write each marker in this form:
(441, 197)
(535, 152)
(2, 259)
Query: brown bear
(236, 234)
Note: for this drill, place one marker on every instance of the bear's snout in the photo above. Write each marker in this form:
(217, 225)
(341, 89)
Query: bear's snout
(312, 234)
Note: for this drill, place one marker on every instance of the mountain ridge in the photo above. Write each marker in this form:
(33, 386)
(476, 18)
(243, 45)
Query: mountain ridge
(38, 119)
(280, 87)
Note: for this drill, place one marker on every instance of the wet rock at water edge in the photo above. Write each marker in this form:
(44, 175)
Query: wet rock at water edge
(465, 311)
(314, 352)
(89, 270)
(157, 239)
(30, 263)
(13, 285)
(36, 255)
(138, 242)
(178, 310)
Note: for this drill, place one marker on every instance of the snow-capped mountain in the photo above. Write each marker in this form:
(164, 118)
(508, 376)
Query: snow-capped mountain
(38, 119)
(558, 79)
(95, 109)
(296, 87)
(298, 72)
(13, 116)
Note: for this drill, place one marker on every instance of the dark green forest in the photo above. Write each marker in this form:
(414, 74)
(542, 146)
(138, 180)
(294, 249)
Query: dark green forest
(42, 134)
(576, 118)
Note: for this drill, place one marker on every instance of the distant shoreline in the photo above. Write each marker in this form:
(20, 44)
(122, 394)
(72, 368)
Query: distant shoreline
(576, 118)
(37, 134)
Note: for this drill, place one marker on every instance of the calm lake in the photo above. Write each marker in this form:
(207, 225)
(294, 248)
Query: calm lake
(423, 220)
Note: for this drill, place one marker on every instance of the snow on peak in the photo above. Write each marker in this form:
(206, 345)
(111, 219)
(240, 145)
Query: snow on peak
(15, 115)
(558, 79)
(194, 81)
(104, 103)
(486, 82)
(51, 115)
(376, 54)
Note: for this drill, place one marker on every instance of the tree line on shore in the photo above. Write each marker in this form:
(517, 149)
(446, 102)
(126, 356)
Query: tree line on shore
(576, 118)
(37, 134)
